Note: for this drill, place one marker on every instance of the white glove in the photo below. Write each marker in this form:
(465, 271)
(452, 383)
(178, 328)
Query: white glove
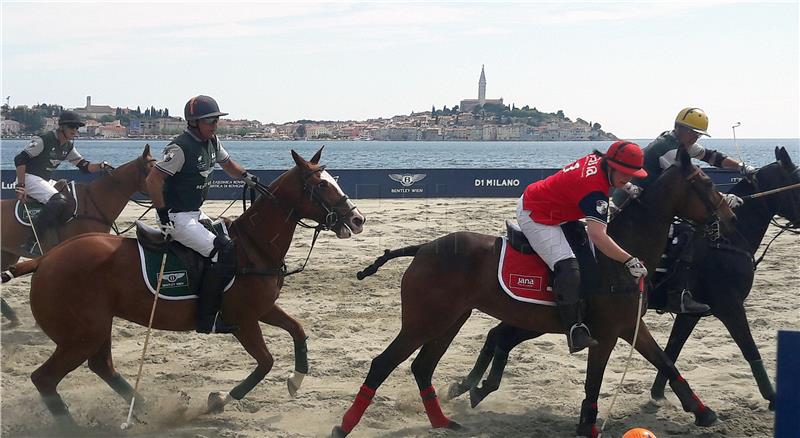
(632, 190)
(636, 267)
(747, 170)
(250, 179)
(165, 224)
(732, 200)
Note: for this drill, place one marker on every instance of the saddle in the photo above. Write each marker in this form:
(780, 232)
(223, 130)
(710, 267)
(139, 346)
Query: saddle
(67, 188)
(183, 271)
(524, 276)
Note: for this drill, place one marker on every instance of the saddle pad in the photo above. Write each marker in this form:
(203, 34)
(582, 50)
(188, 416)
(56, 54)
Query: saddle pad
(175, 285)
(35, 207)
(524, 277)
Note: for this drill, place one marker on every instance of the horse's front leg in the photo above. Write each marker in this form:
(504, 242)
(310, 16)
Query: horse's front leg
(649, 349)
(595, 368)
(681, 330)
(278, 318)
(249, 335)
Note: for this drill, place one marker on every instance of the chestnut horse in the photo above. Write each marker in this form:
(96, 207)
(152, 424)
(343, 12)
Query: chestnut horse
(725, 276)
(454, 274)
(100, 202)
(75, 303)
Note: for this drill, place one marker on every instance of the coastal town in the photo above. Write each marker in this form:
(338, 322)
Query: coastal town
(471, 119)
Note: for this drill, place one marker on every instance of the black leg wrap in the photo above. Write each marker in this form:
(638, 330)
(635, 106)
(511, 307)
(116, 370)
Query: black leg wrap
(247, 384)
(301, 356)
(588, 419)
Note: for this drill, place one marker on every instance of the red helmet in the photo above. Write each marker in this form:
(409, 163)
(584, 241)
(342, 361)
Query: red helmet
(627, 158)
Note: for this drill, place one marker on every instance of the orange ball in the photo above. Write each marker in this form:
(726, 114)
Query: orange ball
(639, 433)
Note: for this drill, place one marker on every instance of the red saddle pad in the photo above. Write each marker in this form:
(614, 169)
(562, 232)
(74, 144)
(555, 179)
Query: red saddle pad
(524, 277)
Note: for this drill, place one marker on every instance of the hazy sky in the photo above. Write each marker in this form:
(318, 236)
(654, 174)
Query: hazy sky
(629, 66)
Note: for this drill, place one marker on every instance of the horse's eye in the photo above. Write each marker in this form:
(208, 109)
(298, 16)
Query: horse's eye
(323, 184)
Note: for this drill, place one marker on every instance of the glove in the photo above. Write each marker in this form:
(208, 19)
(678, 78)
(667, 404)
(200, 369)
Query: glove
(732, 200)
(747, 170)
(165, 223)
(632, 190)
(104, 166)
(636, 267)
(250, 179)
(22, 195)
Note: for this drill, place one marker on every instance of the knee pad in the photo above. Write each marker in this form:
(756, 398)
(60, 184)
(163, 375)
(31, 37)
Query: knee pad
(56, 209)
(226, 255)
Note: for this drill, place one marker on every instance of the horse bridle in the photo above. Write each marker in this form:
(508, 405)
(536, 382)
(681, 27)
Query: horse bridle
(712, 224)
(332, 217)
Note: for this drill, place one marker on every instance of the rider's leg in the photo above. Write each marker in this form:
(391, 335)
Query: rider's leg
(191, 233)
(566, 287)
(552, 246)
(679, 298)
(54, 211)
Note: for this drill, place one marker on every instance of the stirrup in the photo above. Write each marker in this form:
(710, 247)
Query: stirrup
(685, 303)
(583, 336)
(217, 327)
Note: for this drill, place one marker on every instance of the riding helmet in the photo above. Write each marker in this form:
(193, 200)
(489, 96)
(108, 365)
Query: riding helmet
(627, 158)
(694, 119)
(70, 118)
(201, 107)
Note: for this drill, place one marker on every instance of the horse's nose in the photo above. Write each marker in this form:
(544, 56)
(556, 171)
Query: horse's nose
(358, 221)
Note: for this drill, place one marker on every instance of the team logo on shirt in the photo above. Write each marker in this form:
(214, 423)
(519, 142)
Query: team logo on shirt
(602, 207)
(168, 156)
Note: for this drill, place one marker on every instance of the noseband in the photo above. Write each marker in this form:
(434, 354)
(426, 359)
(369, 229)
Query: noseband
(712, 225)
(332, 218)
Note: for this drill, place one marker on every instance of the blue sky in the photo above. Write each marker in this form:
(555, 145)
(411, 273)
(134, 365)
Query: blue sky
(629, 66)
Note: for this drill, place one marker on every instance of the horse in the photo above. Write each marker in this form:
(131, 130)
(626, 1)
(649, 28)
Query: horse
(725, 276)
(100, 202)
(451, 275)
(75, 303)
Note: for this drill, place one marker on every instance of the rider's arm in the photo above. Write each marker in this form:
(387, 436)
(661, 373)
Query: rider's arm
(597, 234)
(169, 165)
(231, 167)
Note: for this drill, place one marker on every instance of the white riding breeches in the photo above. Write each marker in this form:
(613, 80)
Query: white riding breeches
(547, 240)
(191, 233)
(39, 188)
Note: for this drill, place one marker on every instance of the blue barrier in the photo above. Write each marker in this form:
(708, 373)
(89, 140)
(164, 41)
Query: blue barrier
(787, 404)
(393, 183)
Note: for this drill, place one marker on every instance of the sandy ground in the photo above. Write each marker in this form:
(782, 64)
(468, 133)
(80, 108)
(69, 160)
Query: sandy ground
(350, 322)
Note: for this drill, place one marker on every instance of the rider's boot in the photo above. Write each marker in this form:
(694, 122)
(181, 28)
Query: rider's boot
(680, 299)
(53, 213)
(215, 278)
(566, 287)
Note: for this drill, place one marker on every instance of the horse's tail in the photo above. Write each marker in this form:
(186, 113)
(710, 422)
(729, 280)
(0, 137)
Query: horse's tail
(387, 255)
(20, 269)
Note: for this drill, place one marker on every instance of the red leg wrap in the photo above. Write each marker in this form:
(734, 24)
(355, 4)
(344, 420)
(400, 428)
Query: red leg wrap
(700, 406)
(432, 408)
(360, 404)
(595, 431)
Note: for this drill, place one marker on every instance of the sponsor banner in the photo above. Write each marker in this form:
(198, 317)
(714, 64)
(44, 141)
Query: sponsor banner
(391, 183)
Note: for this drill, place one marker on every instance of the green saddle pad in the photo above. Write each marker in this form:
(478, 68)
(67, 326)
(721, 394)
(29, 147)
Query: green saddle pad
(34, 208)
(176, 284)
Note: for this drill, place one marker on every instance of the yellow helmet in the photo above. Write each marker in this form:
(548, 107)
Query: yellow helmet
(694, 119)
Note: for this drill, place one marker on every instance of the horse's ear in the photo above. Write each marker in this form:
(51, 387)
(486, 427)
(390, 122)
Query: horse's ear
(146, 152)
(315, 158)
(683, 158)
(782, 155)
(298, 159)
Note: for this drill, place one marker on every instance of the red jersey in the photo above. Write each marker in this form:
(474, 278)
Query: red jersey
(576, 191)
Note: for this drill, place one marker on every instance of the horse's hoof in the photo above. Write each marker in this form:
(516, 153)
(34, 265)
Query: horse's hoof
(659, 401)
(293, 382)
(657, 393)
(338, 432)
(706, 418)
(476, 395)
(217, 401)
(454, 391)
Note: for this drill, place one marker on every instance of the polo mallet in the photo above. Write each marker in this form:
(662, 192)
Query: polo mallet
(35, 234)
(127, 424)
(735, 143)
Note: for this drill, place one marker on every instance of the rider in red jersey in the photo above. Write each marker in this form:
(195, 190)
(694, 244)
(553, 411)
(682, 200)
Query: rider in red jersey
(580, 190)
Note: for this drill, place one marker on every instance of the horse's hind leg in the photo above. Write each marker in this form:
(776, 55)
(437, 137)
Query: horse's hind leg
(278, 318)
(507, 337)
(102, 364)
(595, 368)
(681, 330)
(424, 365)
(735, 320)
(649, 349)
(47, 377)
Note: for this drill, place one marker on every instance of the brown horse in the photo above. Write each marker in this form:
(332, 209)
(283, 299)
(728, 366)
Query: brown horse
(100, 202)
(75, 303)
(454, 274)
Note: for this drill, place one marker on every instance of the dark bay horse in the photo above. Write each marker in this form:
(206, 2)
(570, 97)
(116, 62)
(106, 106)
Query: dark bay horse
(454, 274)
(725, 272)
(725, 276)
(75, 303)
(100, 202)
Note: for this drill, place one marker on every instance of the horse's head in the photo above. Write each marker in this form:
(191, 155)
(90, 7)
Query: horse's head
(323, 200)
(132, 176)
(783, 172)
(693, 194)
